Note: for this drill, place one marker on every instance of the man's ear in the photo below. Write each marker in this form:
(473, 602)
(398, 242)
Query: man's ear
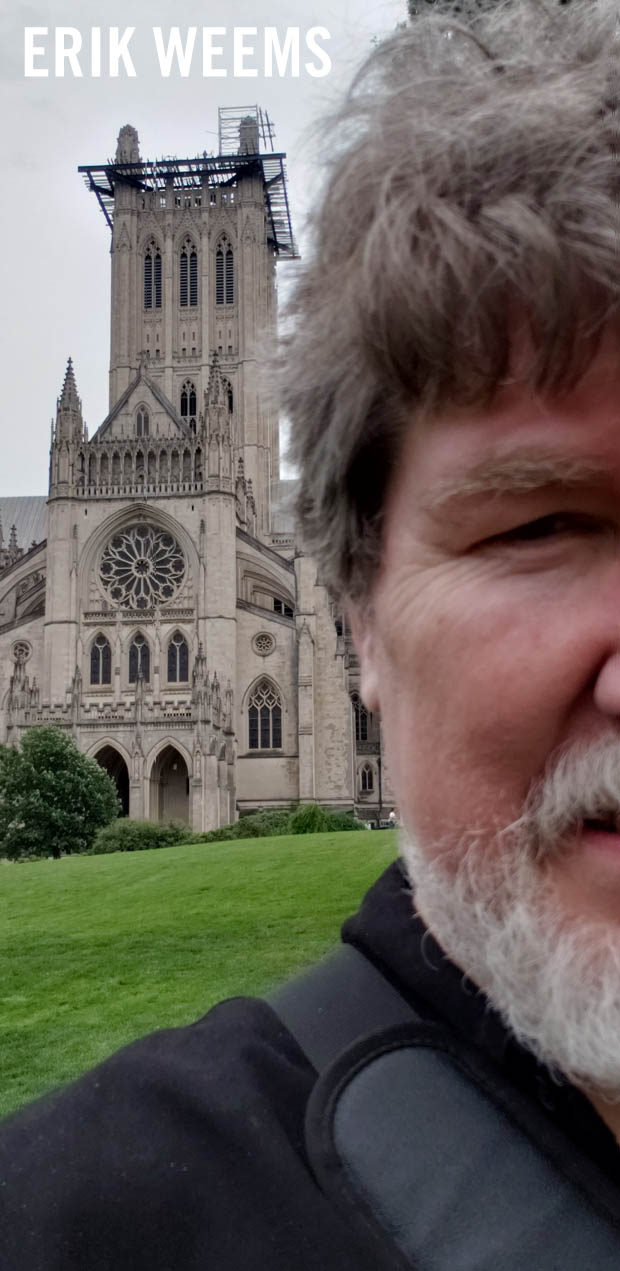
(365, 641)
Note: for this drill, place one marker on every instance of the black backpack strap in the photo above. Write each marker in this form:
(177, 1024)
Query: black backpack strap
(341, 999)
(408, 1133)
(443, 1164)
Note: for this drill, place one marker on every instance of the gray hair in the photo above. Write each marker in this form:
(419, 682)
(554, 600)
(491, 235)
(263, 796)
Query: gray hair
(474, 177)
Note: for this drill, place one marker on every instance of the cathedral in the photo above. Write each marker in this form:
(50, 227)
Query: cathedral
(157, 603)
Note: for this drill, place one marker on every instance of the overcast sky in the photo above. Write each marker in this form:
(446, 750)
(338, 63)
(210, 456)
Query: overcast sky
(55, 262)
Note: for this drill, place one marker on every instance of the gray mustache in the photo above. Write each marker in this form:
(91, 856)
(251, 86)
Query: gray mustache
(581, 783)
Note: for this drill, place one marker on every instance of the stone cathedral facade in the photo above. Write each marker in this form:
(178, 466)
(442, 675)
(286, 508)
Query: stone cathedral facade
(157, 604)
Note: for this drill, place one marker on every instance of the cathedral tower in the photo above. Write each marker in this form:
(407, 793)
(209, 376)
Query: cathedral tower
(194, 245)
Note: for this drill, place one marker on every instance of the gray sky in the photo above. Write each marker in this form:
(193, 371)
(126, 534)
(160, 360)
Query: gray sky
(55, 264)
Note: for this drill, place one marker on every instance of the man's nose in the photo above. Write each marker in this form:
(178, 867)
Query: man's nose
(607, 686)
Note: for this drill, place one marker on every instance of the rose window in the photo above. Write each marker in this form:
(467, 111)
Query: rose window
(264, 643)
(142, 567)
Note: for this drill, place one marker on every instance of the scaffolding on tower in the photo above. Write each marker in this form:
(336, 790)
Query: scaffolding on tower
(198, 177)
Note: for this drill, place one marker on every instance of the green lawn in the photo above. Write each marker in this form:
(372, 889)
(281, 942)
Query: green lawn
(98, 950)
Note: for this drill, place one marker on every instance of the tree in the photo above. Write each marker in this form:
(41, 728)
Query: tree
(52, 798)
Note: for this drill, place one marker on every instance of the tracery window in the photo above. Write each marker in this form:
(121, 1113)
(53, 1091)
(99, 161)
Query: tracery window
(188, 405)
(142, 422)
(178, 659)
(224, 274)
(367, 779)
(141, 567)
(101, 661)
(361, 718)
(139, 659)
(188, 274)
(152, 276)
(265, 717)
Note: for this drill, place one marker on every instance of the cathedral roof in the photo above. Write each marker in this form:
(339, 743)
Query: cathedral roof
(29, 516)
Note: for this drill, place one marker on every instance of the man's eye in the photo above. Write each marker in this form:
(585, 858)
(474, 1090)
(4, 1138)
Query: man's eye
(546, 527)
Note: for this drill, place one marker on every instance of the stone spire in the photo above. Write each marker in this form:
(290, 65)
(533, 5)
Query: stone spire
(214, 395)
(69, 399)
(9, 555)
(128, 145)
(248, 135)
(69, 422)
(218, 429)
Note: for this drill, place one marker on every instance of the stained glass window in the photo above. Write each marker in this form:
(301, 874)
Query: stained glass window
(178, 659)
(139, 659)
(367, 779)
(361, 718)
(101, 661)
(265, 717)
(142, 567)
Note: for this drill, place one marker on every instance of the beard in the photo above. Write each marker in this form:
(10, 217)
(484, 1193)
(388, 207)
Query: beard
(551, 973)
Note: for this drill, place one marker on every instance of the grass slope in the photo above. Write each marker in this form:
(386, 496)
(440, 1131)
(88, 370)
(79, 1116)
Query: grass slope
(99, 950)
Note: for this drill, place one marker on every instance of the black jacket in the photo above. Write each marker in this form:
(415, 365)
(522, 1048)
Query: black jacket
(186, 1150)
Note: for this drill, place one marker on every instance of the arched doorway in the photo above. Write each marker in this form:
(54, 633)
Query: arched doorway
(170, 787)
(116, 767)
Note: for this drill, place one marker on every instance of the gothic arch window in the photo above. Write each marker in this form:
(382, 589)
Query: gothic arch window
(139, 659)
(100, 661)
(367, 779)
(178, 659)
(188, 405)
(265, 717)
(152, 276)
(188, 275)
(224, 274)
(361, 718)
(142, 422)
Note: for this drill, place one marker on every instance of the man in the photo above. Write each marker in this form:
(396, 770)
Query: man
(456, 419)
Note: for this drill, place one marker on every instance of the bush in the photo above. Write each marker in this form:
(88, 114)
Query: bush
(339, 821)
(53, 799)
(309, 818)
(258, 825)
(139, 836)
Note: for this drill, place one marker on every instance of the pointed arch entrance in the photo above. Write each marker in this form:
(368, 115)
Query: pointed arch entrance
(110, 759)
(170, 787)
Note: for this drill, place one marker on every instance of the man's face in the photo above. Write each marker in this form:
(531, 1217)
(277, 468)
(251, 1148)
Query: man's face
(493, 638)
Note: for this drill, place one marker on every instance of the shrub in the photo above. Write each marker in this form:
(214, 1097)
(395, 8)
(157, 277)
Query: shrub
(309, 818)
(139, 836)
(269, 823)
(53, 799)
(339, 821)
